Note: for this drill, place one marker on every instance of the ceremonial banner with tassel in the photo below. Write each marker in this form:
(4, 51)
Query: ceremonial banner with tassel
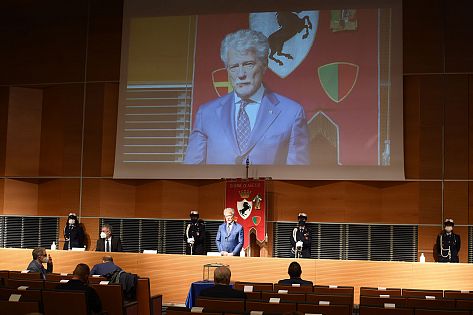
(248, 198)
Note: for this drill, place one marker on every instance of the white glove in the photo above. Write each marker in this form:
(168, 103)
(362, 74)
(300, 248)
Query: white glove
(190, 240)
(299, 244)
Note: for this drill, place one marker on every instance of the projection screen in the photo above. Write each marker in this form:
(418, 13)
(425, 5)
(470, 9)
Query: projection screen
(329, 106)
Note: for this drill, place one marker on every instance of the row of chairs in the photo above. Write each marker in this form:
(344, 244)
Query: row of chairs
(372, 310)
(111, 295)
(318, 289)
(452, 294)
(247, 306)
(364, 310)
(407, 302)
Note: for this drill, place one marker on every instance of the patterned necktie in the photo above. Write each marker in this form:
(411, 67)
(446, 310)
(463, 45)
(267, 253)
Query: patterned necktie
(107, 245)
(229, 228)
(243, 126)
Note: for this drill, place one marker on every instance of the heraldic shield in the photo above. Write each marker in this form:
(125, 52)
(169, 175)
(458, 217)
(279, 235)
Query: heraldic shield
(290, 36)
(247, 197)
(338, 79)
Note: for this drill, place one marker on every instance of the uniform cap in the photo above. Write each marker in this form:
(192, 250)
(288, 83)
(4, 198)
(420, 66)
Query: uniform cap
(449, 222)
(194, 212)
(302, 214)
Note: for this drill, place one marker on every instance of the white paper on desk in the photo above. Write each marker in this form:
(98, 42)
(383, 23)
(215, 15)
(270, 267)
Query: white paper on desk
(22, 288)
(150, 251)
(78, 249)
(96, 276)
(283, 291)
(25, 271)
(389, 305)
(214, 254)
(14, 298)
(464, 291)
(296, 284)
(64, 274)
(274, 300)
(104, 282)
(64, 281)
(324, 302)
(384, 296)
(256, 313)
(430, 297)
(333, 286)
(248, 288)
(196, 309)
(381, 289)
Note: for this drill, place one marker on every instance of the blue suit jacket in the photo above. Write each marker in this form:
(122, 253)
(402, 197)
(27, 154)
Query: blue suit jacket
(230, 243)
(280, 135)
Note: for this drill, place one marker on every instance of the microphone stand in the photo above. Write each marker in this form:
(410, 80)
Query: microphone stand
(247, 165)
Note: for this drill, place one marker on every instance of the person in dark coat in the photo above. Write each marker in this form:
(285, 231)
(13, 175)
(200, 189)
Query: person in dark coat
(301, 238)
(195, 235)
(107, 241)
(74, 235)
(294, 270)
(222, 288)
(80, 282)
(106, 267)
(448, 244)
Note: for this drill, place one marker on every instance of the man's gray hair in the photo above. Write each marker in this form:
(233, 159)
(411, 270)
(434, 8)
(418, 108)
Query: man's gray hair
(245, 40)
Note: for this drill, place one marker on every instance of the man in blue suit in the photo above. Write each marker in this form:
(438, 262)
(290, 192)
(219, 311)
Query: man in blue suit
(230, 235)
(251, 122)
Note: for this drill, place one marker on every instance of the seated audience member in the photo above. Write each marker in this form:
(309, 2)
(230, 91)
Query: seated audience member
(39, 258)
(106, 267)
(79, 282)
(222, 288)
(295, 272)
(107, 241)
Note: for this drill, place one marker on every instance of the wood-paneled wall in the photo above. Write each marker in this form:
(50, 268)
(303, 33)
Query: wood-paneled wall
(67, 54)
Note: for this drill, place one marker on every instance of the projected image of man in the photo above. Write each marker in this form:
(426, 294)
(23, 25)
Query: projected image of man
(252, 121)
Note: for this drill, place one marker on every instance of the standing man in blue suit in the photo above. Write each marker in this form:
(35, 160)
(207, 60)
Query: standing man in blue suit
(252, 121)
(230, 235)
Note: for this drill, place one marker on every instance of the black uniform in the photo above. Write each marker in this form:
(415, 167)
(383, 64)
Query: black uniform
(75, 234)
(304, 234)
(448, 246)
(197, 231)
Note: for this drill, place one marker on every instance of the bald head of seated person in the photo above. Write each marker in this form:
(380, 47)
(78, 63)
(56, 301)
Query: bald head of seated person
(295, 271)
(106, 267)
(222, 288)
(80, 282)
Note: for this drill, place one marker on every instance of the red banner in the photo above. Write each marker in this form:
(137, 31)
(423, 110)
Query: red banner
(248, 198)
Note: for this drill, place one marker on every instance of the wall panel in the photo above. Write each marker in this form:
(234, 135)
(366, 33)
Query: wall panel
(458, 31)
(22, 154)
(61, 130)
(46, 41)
(456, 127)
(423, 37)
(104, 40)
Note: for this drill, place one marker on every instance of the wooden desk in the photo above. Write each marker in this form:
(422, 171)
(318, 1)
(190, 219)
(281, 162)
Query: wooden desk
(171, 275)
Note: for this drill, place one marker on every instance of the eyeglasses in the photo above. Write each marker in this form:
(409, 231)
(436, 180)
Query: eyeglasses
(247, 66)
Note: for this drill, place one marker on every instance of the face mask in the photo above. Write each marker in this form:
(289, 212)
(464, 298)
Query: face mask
(45, 259)
(449, 229)
(193, 219)
(103, 235)
(301, 222)
(72, 221)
